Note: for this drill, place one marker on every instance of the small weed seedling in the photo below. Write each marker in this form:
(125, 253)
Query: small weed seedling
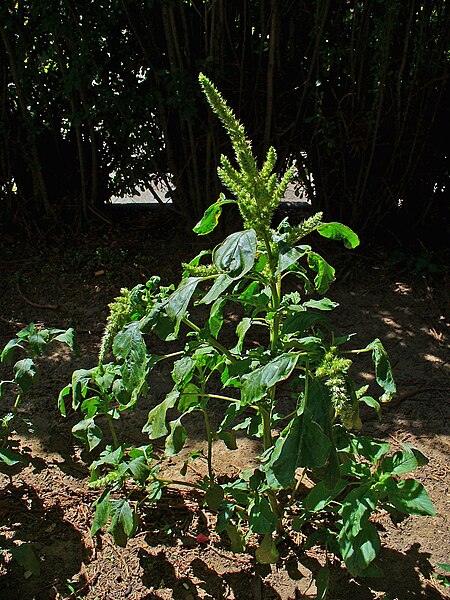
(32, 342)
(312, 439)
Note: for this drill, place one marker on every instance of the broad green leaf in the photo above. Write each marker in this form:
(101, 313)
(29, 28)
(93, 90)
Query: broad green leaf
(322, 304)
(369, 401)
(139, 468)
(325, 272)
(215, 320)
(322, 583)
(241, 329)
(10, 458)
(123, 522)
(356, 509)
(235, 256)
(337, 231)
(25, 373)
(267, 553)
(236, 538)
(129, 346)
(101, 515)
(211, 217)
(183, 370)
(38, 340)
(217, 289)
(261, 518)
(214, 496)
(25, 556)
(88, 432)
(80, 382)
(178, 302)
(176, 439)
(320, 496)
(302, 320)
(383, 369)
(305, 445)
(189, 398)
(410, 497)
(62, 394)
(403, 461)
(288, 256)
(156, 420)
(229, 439)
(68, 337)
(256, 384)
(358, 552)
(368, 447)
(8, 352)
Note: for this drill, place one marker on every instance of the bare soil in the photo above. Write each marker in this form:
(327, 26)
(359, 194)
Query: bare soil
(68, 283)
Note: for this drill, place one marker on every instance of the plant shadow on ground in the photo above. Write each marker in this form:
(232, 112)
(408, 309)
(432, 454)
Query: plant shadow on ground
(29, 516)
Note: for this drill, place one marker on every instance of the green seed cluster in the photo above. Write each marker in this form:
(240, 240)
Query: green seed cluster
(199, 270)
(258, 191)
(333, 371)
(120, 311)
(304, 228)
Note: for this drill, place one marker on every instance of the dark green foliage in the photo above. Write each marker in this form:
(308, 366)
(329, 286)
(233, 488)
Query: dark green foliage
(102, 98)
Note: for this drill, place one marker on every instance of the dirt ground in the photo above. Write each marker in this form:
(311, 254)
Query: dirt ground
(68, 282)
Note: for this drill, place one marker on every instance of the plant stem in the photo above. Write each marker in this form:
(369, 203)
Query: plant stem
(210, 443)
(112, 429)
(214, 343)
(267, 431)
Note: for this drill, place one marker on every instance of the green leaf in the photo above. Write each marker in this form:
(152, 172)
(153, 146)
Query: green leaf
(123, 522)
(176, 439)
(302, 320)
(10, 458)
(211, 217)
(369, 401)
(267, 553)
(178, 302)
(25, 556)
(337, 231)
(62, 394)
(215, 320)
(156, 420)
(129, 346)
(68, 337)
(88, 432)
(403, 461)
(139, 468)
(217, 289)
(320, 496)
(8, 352)
(261, 518)
(189, 398)
(356, 509)
(305, 445)
(410, 497)
(256, 384)
(235, 256)
(25, 373)
(358, 552)
(101, 515)
(214, 496)
(229, 439)
(241, 330)
(325, 272)
(383, 369)
(183, 370)
(322, 304)
(322, 583)
(236, 538)
(80, 382)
